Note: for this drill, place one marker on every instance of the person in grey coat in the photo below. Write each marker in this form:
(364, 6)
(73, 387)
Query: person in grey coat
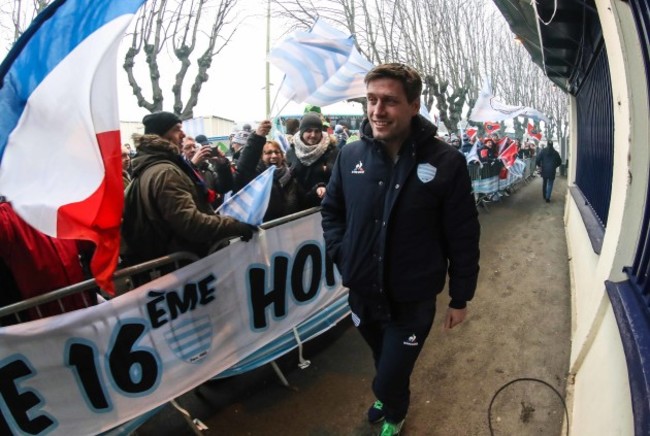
(548, 160)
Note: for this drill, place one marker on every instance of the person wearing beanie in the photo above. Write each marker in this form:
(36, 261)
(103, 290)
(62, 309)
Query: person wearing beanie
(167, 205)
(166, 125)
(202, 140)
(237, 143)
(311, 158)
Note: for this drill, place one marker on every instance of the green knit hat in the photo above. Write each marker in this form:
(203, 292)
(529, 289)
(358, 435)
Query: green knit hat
(312, 108)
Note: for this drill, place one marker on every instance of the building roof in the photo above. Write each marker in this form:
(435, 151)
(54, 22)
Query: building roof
(562, 46)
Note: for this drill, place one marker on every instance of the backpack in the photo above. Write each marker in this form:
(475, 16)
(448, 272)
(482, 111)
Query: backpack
(152, 240)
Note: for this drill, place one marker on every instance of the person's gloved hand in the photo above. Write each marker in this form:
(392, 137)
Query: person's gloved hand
(246, 231)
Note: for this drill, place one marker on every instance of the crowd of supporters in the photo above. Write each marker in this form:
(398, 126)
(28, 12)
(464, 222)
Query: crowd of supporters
(175, 182)
(496, 164)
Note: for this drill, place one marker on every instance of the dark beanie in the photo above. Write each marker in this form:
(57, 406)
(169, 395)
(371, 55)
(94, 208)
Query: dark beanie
(310, 121)
(159, 123)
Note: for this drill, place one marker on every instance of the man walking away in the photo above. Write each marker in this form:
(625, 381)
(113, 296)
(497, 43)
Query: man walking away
(398, 217)
(548, 160)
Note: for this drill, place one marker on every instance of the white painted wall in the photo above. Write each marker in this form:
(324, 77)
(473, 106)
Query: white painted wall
(601, 403)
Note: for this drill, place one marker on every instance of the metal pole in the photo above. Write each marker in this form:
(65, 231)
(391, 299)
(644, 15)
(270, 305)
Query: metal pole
(268, 49)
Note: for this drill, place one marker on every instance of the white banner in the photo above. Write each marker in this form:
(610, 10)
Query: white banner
(87, 371)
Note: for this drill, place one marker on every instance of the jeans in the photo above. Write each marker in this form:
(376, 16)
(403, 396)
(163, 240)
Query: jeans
(547, 187)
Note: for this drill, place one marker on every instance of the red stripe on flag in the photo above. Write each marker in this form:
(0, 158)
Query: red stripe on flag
(98, 217)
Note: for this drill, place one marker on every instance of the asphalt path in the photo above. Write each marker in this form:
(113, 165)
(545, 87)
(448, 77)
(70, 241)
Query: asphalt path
(509, 360)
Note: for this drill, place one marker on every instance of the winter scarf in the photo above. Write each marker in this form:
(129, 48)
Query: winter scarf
(308, 154)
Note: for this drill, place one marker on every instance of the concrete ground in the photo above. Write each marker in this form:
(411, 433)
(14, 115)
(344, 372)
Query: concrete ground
(509, 359)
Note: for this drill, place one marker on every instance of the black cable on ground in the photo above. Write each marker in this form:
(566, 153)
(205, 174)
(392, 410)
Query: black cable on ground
(566, 411)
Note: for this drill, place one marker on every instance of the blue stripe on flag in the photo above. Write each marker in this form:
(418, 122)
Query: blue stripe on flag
(321, 67)
(65, 24)
(249, 204)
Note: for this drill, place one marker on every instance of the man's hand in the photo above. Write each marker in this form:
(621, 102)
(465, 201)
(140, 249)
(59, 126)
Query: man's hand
(201, 154)
(320, 191)
(453, 318)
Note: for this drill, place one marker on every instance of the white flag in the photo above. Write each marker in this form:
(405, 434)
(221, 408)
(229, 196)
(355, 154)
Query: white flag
(489, 108)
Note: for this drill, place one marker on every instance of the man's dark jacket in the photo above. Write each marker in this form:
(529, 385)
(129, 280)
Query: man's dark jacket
(548, 159)
(398, 229)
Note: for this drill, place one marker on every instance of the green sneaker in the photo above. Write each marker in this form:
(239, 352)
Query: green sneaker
(376, 412)
(391, 429)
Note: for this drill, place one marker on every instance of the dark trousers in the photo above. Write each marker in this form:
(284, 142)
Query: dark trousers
(547, 187)
(396, 344)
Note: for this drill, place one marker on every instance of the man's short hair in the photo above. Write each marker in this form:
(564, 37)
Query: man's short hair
(408, 76)
(292, 125)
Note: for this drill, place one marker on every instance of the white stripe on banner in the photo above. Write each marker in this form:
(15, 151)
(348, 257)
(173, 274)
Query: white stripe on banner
(249, 204)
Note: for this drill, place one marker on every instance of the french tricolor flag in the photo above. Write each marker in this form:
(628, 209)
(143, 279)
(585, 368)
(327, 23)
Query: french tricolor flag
(60, 163)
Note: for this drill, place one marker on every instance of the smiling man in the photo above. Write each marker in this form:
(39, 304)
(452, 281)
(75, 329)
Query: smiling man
(398, 218)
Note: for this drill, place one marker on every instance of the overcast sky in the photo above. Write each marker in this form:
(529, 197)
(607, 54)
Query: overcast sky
(235, 89)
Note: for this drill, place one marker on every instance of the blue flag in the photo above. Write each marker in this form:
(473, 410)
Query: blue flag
(249, 204)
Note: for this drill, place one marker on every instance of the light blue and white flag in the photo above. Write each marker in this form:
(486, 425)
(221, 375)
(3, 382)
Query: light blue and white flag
(518, 168)
(321, 66)
(278, 134)
(249, 204)
(472, 155)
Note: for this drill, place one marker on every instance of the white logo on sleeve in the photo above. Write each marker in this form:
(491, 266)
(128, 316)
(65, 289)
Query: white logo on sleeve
(426, 172)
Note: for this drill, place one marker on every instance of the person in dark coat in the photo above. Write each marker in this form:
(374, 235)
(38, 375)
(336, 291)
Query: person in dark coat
(256, 157)
(166, 207)
(548, 160)
(398, 218)
(311, 158)
(212, 165)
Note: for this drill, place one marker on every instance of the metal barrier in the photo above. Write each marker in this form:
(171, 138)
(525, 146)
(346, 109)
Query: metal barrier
(124, 279)
(88, 288)
(487, 184)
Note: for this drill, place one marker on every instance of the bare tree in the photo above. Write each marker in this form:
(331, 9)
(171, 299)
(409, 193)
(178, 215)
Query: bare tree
(19, 14)
(455, 44)
(181, 27)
